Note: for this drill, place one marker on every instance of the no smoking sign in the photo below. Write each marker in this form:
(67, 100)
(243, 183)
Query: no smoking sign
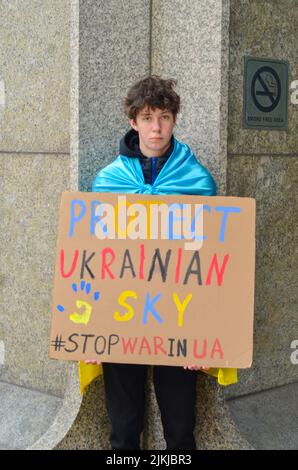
(265, 93)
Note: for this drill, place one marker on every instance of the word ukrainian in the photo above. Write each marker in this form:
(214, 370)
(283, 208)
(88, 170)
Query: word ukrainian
(139, 265)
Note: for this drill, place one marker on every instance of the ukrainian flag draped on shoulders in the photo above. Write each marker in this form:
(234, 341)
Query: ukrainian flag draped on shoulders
(181, 174)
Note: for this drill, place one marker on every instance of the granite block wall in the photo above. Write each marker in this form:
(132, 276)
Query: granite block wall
(34, 162)
(263, 164)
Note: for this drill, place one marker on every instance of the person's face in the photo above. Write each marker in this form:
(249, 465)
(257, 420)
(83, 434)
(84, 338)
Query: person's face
(155, 130)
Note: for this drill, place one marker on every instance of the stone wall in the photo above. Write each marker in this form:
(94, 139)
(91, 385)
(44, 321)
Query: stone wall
(34, 168)
(263, 164)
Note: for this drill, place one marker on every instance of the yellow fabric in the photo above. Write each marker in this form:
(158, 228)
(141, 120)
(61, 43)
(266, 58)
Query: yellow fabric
(88, 372)
(224, 376)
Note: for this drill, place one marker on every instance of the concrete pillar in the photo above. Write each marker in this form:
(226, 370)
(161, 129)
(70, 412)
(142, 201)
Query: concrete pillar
(190, 42)
(118, 46)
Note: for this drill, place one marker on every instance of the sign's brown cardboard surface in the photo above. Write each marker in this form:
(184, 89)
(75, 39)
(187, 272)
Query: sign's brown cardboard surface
(132, 285)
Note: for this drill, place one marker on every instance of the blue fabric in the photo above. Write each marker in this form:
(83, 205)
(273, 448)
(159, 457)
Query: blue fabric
(181, 174)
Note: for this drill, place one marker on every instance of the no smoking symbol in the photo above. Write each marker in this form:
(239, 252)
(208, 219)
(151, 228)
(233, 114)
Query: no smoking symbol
(266, 89)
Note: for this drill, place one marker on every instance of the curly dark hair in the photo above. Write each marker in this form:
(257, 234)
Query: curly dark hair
(154, 92)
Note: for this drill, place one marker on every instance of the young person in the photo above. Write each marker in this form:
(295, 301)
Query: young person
(152, 161)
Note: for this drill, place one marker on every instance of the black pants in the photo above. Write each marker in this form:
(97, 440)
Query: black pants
(175, 390)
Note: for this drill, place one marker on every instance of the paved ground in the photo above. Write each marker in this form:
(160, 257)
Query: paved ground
(24, 415)
(269, 419)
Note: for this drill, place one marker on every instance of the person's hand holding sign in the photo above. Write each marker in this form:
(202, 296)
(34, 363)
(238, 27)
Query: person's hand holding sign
(194, 367)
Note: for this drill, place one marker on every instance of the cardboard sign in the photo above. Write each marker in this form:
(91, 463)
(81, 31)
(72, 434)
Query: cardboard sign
(153, 279)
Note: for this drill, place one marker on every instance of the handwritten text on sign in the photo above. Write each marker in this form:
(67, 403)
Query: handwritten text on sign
(154, 279)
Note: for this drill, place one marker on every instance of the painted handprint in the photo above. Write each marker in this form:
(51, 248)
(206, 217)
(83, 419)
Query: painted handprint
(82, 317)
